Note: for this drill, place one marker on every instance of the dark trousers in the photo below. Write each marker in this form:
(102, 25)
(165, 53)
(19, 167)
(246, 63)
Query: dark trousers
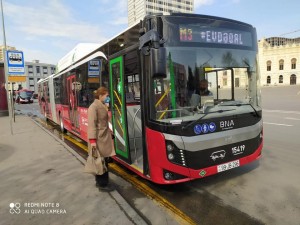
(102, 180)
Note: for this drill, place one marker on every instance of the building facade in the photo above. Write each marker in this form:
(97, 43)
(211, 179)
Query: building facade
(279, 60)
(138, 9)
(35, 71)
(2, 51)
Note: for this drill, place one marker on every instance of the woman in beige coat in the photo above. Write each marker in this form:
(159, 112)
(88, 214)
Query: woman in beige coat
(99, 134)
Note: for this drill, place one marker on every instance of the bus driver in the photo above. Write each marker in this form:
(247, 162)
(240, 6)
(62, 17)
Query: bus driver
(203, 89)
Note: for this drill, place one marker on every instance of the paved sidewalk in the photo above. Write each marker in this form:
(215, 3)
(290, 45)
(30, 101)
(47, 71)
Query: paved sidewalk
(42, 183)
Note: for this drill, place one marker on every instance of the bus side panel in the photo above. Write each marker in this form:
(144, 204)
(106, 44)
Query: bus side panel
(83, 122)
(158, 159)
(66, 117)
(49, 112)
(58, 108)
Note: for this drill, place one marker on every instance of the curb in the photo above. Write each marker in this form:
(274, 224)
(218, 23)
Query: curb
(130, 212)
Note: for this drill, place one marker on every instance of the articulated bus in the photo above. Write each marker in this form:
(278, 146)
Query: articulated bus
(164, 130)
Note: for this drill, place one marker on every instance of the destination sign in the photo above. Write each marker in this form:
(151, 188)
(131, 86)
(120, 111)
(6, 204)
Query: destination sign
(214, 35)
(94, 68)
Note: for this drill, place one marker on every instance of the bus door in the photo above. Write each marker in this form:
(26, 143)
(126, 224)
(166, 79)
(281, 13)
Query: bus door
(72, 99)
(118, 107)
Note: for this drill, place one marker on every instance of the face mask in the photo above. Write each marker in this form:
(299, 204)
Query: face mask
(202, 89)
(107, 99)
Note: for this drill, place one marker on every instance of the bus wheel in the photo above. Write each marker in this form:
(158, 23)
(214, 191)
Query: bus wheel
(62, 127)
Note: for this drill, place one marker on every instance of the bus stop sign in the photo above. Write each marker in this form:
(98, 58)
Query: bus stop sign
(15, 63)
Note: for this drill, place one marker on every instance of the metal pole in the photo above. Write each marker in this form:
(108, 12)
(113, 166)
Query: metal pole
(6, 72)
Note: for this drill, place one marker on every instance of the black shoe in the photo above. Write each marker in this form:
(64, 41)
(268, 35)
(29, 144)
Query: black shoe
(98, 184)
(107, 188)
(109, 160)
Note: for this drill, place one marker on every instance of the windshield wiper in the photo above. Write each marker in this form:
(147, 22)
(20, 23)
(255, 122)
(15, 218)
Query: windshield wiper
(241, 104)
(196, 121)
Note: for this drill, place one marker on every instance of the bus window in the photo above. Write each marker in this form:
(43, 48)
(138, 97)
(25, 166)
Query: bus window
(132, 87)
(57, 89)
(82, 90)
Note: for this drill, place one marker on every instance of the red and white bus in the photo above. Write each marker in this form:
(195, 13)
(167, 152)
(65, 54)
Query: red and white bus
(164, 130)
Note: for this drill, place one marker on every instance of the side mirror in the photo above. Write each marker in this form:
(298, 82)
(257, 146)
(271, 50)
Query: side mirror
(159, 62)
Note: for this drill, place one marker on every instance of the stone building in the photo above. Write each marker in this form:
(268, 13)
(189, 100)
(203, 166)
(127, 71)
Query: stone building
(7, 49)
(35, 71)
(279, 60)
(138, 9)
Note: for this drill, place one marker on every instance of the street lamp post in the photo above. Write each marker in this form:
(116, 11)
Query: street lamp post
(9, 97)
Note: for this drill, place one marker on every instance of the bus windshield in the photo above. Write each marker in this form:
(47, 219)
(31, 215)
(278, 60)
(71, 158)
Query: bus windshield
(205, 81)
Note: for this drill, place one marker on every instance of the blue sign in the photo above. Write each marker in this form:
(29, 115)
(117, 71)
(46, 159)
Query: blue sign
(205, 128)
(197, 129)
(212, 127)
(94, 68)
(15, 63)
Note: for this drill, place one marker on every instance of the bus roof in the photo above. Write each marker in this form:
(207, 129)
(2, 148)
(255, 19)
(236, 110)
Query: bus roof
(83, 50)
(80, 51)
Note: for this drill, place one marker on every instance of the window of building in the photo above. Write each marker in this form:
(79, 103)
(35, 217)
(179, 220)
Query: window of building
(30, 69)
(280, 79)
(281, 63)
(38, 70)
(237, 82)
(268, 79)
(31, 81)
(293, 79)
(293, 63)
(45, 70)
(269, 63)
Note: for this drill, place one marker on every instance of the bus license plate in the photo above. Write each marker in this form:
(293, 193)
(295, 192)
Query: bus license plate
(228, 166)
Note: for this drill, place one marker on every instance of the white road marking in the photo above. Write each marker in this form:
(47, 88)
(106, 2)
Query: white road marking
(290, 118)
(279, 124)
(282, 111)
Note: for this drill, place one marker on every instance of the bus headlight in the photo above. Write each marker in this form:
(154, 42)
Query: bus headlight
(170, 156)
(170, 147)
(168, 176)
(174, 154)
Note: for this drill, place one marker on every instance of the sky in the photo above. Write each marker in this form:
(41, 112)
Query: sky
(48, 30)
